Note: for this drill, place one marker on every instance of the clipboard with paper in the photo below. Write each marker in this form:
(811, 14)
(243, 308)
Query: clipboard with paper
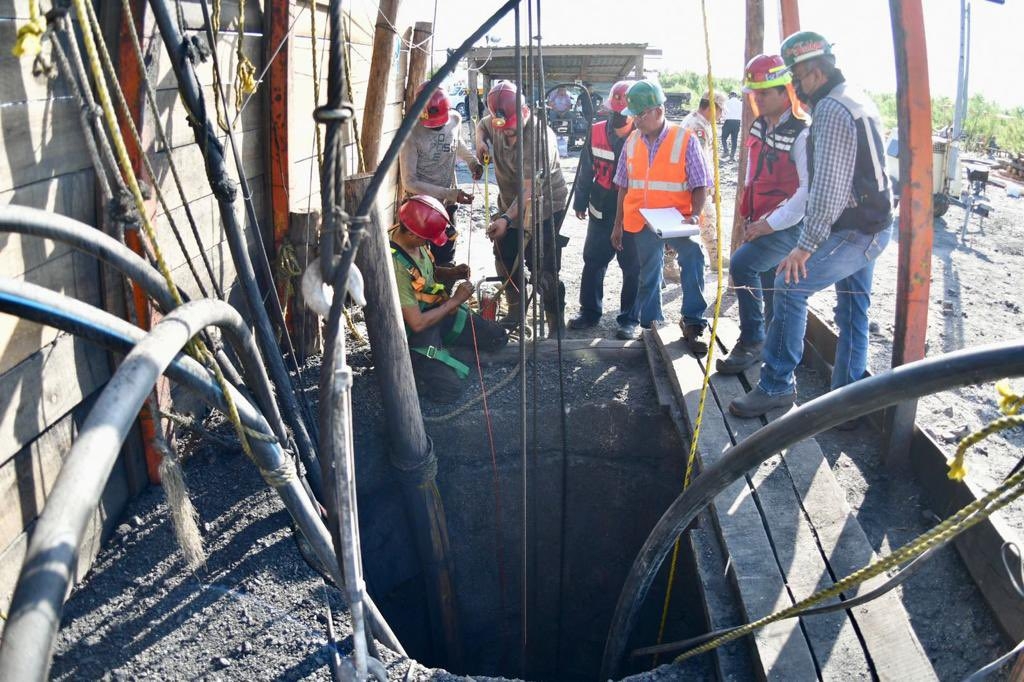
(668, 223)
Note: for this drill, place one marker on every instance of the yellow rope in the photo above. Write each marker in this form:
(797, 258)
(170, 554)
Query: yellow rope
(969, 516)
(245, 72)
(29, 41)
(714, 323)
(1009, 404)
(90, 23)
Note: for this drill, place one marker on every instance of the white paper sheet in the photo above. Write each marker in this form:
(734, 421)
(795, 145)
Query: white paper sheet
(668, 223)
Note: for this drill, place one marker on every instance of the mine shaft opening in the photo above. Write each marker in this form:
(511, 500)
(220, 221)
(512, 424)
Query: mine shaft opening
(623, 465)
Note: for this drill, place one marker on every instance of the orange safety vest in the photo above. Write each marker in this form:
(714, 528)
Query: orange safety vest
(659, 185)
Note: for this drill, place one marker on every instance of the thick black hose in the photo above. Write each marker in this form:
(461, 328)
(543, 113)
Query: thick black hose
(907, 382)
(225, 191)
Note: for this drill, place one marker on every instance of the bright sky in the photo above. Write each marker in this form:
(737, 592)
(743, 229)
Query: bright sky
(861, 31)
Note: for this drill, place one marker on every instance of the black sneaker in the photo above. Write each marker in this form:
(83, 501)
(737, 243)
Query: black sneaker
(740, 358)
(692, 334)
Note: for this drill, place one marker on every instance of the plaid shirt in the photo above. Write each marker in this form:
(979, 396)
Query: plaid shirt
(834, 139)
(697, 172)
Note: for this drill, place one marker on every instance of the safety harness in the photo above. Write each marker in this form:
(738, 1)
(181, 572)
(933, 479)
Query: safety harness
(430, 297)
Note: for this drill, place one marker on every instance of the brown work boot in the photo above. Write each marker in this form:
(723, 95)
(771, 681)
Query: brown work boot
(692, 337)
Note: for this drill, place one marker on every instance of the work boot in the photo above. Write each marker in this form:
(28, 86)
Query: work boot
(692, 334)
(626, 332)
(740, 358)
(757, 402)
(582, 322)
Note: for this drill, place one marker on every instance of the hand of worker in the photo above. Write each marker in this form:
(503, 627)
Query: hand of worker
(617, 237)
(758, 228)
(497, 229)
(477, 170)
(582, 215)
(461, 271)
(794, 266)
(462, 293)
(463, 197)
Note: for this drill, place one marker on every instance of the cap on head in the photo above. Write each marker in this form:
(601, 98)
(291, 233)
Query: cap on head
(435, 114)
(804, 45)
(505, 104)
(643, 95)
(617, 97)
(765, 71)
(425, 217)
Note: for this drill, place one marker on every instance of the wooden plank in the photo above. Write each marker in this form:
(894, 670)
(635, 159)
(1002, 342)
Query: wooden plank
(192, 10)
(277, 138)
(782, 649)
(379, 90)
(174, 116)
(189, 160)
(41, 139)
(884, 625)
(61, 195)
(733, 662)
(19, 83)
(74, 274)
(46, 386)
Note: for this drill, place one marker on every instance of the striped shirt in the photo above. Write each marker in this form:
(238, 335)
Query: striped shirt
(697, 172)
(834, 141)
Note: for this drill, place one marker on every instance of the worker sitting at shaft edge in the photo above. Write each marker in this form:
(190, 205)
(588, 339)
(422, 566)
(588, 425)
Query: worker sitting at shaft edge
(427, 163)
(434, 321)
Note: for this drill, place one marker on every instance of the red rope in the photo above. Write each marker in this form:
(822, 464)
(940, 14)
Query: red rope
(494, 467)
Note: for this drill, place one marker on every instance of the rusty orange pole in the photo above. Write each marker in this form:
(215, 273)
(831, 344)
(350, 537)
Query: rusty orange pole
(133, 84)
(278, 84)
(914, 113)
(789, 18)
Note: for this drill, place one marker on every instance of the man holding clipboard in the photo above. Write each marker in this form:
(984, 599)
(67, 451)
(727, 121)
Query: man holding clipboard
(663, 167)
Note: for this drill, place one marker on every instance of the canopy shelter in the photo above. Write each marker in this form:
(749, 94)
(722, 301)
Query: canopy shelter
(591, 63)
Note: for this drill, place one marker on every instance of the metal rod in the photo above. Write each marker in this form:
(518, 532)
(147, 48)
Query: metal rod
(907, 382)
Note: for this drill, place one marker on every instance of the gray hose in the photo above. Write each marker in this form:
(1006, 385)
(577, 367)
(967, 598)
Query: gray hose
(907, 382)
(26, 648)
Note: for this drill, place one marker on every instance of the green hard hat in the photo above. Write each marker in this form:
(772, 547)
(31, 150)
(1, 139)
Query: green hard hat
(643, 95)
(804, 45)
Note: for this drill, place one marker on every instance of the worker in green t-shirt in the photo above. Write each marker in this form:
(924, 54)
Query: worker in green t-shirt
(439, 326)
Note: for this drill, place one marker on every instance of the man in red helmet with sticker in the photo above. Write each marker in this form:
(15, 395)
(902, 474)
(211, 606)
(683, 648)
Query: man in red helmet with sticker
(847, 224)
(427, 163)
(773, 201)
(436, 324)
(542, 181)
(597, 199)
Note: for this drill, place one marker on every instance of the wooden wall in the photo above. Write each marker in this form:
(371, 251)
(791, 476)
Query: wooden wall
(48, 379)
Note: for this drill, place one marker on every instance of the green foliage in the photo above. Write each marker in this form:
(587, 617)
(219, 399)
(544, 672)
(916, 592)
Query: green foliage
(695, 83)
(985, 120)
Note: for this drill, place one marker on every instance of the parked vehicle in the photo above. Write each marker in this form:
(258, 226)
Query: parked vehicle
(947, 173)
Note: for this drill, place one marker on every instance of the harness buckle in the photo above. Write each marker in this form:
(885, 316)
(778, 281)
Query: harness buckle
(431, 352)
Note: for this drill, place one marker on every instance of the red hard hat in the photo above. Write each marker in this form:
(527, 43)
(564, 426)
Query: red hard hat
(765, 71)
(435, 114)
(504, 103)
(425, 217)
(617, 97)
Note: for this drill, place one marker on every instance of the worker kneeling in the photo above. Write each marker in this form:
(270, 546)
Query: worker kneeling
(437, 324)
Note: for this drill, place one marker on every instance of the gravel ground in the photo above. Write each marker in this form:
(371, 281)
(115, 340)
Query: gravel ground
(257, 611)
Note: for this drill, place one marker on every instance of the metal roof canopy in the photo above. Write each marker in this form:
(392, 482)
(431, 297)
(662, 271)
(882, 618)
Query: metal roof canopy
(588, 63)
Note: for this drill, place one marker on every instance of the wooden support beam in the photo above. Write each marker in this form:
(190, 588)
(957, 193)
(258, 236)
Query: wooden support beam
(789, 18)
(379, 81)
(754, 46)
(914, 113)
(419, 55)
(277, 92)
(133, 79)
(474, 101)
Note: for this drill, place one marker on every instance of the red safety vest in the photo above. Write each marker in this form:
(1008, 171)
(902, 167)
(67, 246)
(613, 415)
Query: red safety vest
(774, 177)
(659, 185)
(602, 155)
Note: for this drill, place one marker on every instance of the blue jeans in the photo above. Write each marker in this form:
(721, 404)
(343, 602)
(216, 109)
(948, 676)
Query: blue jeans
(746, 266)
(650, 252)
(597, 254)
(847, 260)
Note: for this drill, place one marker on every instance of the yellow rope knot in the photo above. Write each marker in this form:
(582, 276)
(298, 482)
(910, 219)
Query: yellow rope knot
(29, 42)
(1009, 404)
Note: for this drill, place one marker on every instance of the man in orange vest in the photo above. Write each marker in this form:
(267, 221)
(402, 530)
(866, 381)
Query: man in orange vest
(439, 326)
(597, 197)
(663, 166)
